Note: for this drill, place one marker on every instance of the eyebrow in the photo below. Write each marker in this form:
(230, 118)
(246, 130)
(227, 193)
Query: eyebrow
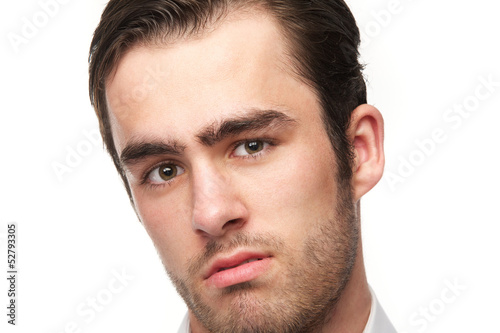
(137, 150)
(256, 120)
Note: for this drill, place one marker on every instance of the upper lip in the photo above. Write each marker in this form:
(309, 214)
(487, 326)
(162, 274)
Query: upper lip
(232, 261)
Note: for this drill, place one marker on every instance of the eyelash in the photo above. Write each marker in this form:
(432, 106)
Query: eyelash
(145, 177)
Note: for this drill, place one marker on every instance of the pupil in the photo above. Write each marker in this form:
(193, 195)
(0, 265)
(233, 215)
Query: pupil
(253, 146)
(168, 171)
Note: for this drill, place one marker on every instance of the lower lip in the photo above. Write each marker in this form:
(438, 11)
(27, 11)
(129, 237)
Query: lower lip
(244, 273)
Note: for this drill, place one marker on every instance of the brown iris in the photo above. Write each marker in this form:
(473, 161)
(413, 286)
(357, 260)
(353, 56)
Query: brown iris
(253, 147)
(167, 171)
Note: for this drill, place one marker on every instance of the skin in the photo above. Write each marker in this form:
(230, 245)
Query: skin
(281, 197)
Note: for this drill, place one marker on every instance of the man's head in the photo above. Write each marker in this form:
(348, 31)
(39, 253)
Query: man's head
(239, 131)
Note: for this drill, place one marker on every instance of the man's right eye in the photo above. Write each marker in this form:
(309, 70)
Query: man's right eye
(164, 173)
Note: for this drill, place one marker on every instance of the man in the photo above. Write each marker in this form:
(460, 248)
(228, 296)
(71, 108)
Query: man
(242, 136)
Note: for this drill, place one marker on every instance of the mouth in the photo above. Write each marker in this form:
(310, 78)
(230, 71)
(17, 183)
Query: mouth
(243, 263)
(238, 268)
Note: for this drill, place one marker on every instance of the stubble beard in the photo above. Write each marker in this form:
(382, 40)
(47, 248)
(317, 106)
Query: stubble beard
(314, 281)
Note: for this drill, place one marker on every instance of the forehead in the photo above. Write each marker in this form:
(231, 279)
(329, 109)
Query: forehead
(240, 64)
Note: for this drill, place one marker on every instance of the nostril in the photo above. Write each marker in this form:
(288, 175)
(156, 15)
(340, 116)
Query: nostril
(233, 223)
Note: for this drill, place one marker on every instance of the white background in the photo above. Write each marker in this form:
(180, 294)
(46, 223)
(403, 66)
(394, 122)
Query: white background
(436, 225)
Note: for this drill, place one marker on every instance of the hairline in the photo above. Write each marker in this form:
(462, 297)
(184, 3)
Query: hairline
(236, 11)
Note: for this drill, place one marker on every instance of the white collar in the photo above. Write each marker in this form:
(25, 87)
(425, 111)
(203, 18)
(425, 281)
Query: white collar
(378, 322)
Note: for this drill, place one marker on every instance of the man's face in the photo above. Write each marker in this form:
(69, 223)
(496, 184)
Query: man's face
(234, 178)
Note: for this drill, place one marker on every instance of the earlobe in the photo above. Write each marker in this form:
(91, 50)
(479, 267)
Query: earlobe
(366, 134)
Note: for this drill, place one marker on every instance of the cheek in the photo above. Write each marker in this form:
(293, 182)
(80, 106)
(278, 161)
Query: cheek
(297, 190)
(167, 223)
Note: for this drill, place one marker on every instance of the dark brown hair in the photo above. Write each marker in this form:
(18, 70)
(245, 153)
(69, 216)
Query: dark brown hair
(322, 36)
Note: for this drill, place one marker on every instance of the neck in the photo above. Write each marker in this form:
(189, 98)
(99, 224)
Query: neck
(353, 308)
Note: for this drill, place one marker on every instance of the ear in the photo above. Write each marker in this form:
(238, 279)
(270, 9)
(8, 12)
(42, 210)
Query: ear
(366, 134)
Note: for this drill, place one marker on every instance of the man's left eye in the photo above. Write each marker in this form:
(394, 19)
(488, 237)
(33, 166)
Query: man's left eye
(250, 148)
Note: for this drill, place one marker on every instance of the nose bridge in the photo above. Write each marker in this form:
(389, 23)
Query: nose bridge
(208, 183)
(215, 203)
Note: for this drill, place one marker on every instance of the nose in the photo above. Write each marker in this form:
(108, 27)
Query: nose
(217, 204)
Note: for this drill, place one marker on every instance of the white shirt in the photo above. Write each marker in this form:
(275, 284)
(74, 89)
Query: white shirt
(377, 321)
